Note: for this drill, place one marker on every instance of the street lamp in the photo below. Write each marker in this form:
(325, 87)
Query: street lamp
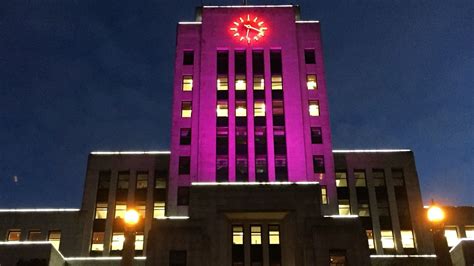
(436, 217)
(131, 219)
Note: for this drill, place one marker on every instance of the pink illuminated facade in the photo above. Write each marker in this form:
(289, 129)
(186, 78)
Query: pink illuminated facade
(250, 101)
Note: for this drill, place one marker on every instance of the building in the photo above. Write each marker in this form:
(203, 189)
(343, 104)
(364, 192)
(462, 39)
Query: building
(251, 178)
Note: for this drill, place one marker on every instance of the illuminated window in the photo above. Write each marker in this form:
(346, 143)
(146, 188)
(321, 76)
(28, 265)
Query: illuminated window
(359, 176)
(256, 235)
(139, 239)
(259, 108)
(344, 207)
(314, 108)
(185, 136)
(469, 231)
(318, 164)
(237, 235)
(120, 209)
(240, 108)
(142, 180)
(160, 182)
(101, 211)
(117, 241)
(240, 83)
(451, 234)
(54, 237)
(188, 58)
(309, 56)
(186, 109)
(387, 239)
(341, 179)
(14, 235)
(258, 83)
(370, 238)
(311, 82)
(364, 210)
(187, 84)
(184, 165)
(97, 241)
(316, 135)
(222, 109)
(141, 209)
(324, 195)
(122, 182)
(277, 83)
(222, 83)
(274, 235)
(379, 177)
(407, 239)
(34, 235)
(159, 209)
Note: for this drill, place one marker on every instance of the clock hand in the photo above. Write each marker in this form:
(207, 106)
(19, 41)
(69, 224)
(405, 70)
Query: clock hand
(248, 39)
(253, 28)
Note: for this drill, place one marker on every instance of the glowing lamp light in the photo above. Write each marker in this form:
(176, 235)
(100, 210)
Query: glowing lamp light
(131, 217)
(435, 214)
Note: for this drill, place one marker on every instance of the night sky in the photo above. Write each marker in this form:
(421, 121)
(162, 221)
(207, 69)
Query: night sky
(84, 75)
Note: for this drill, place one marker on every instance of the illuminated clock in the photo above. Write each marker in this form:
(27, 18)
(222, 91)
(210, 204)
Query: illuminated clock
(248, 29)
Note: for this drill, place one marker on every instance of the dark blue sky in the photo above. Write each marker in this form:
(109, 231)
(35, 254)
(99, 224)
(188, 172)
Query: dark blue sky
(83, 75)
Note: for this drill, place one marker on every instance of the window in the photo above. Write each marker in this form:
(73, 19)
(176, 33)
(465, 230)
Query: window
(101, 210)
(309, 56)
(398, 177)
(407, 239)
(34, 235)
(451, 234)
(379, 177)
(277, 82)
(186, 109)
(277, 108)
(104, 180)
(240, 83)
(370, 238)
(237, 235)
(324, 195)
(159, 210)
(188, 58)
(185, 136)
(256, 235)
(318, 164)
(258, 83)
(177, 257)
(469, 231)
(359, 176)
(123, 178)
(240, 108)
(142, 180)
(274, 250)
(222, 168)
(387, 239)
(364, 210)
(313, 108)
(117, 241)
(337, 258)
(160, 182)
(222, 141)
(183, 196)
(120, 209)
(281, 168)
(141, 209)
(184, 165)
(54, 237)
(261, 174)
(341, 179)
(241, 168)
(222, 83)
(311, 82)
(274, 235)
(222, 109)
(97, 241)
(238, 245)
(344, 207)
(139, 239)
(275, 62)
(316, 135)
(187, 84)
(259, 108)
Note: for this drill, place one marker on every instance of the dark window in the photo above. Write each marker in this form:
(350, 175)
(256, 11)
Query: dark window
(104, 179)
(222, 63)
(35, 235)
(275, 62)
(260, 140)
(177, 257)
(188, 58)
(309, 56)
(257, 62)
(222, 168)
(261, 172)
(183, 196)
(278, 113)
(318, 164)
(281, 168)
(337, 258)
(316, 135)
(279, 140)
(241, 140)
(379, 177)
(123, 178)
(184, 165)
(222, 141)
(240, 63)
(242, 169)
(185, 136)
(398, 177)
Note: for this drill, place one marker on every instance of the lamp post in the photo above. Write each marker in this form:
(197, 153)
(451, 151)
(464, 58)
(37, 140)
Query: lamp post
(128, 251)
(436, 217)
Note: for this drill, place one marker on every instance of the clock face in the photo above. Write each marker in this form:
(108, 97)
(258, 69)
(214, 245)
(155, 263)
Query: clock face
(248, 29)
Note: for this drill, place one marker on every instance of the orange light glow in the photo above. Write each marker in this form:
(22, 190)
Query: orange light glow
(435, 214)
(131, 217)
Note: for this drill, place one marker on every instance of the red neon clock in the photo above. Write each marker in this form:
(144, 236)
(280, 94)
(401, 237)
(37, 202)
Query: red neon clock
(248, 29)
